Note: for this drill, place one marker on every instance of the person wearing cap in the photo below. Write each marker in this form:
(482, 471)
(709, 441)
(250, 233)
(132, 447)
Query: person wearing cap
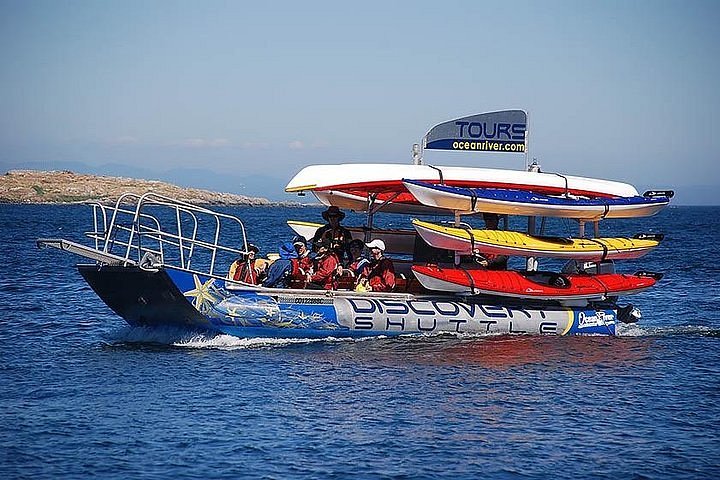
(326, 263)
(379, 275)
(302, 264)
(246, 270)
(338, 236)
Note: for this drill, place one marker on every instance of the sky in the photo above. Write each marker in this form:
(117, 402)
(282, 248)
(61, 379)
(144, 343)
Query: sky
(238, 96)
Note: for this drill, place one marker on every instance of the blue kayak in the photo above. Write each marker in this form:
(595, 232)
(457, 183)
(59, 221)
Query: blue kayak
(523, 202)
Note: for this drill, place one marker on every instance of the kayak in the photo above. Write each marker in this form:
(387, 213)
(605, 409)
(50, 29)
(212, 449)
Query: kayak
(523, 202)
(501, 242)
(535, 285)
(356, 186)
(378, 177)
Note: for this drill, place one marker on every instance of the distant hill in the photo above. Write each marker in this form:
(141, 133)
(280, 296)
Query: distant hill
(34, 186)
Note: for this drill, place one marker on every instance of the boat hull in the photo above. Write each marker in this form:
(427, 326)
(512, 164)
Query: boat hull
(177, 298)
(499, 242)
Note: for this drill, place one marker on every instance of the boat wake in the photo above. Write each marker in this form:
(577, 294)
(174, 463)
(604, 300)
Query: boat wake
(228, 342)
(635, 330)
(182, 338)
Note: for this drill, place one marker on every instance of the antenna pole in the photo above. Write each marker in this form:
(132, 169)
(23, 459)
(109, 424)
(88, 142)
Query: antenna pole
(527, 142)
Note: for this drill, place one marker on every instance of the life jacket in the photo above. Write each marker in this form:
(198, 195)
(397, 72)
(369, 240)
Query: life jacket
(299, 269)
(301, 266)
(245, 272)
(358, 266)
(325, 271)
(381, 275)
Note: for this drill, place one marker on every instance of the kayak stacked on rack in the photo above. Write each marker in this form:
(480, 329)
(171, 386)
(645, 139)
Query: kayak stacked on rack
(577, 283)
(589, 274)
(500, 242)
(533, 285)
(530, 203)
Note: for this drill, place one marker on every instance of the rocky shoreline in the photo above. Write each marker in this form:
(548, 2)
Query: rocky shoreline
(61, 187)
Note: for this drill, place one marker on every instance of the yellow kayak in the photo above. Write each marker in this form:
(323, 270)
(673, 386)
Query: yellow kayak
(501, 242)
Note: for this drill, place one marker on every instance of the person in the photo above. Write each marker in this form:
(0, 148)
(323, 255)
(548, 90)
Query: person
(355, 266)
(246, 268)
(336, 234)
(351, 271)
(301, 264)
(379, 274)
(280, 270)
(491, 261)
(326, 262)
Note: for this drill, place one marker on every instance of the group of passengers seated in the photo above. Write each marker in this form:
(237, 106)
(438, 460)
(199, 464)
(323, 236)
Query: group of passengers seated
(338, 262)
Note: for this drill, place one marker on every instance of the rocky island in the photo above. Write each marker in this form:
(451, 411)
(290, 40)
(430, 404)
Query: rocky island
(33, 186)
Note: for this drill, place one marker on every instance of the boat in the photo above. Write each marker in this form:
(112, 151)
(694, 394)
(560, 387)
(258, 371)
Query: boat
(157, 261)
(533, 285)
(466, 240)
(528, 203)
(151, 264)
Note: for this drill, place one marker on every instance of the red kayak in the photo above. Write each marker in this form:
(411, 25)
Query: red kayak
(538, 285)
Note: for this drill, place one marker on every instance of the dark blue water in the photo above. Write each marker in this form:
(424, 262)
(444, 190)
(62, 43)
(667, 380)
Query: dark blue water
(82, 395)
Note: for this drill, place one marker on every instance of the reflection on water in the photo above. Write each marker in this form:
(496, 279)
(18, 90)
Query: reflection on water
(506, 352)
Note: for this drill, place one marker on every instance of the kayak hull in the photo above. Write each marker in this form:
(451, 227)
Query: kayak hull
(530, 285)
(388, 176)
(499, 242)
(518, 202)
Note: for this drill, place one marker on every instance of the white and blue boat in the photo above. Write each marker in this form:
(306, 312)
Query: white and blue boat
(160, 262)
(157, 261)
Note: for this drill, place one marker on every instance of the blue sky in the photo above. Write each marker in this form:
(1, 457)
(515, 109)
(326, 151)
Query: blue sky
(240, 95)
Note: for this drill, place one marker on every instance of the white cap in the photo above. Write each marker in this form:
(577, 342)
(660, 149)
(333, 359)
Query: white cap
(377, 243)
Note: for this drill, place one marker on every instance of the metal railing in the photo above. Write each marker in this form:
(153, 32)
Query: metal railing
(153, 230)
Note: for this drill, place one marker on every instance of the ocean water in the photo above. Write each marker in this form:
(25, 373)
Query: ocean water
(82, 395)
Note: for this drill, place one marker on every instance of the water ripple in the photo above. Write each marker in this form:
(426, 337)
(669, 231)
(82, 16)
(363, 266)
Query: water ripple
(85, 396)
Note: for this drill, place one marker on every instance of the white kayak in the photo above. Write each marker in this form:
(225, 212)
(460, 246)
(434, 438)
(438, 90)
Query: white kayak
(350, 185)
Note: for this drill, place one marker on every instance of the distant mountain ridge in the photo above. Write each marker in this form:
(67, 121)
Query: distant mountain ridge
(35, 186)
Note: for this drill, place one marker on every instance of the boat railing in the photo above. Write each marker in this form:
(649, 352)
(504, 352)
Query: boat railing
(153, 230)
